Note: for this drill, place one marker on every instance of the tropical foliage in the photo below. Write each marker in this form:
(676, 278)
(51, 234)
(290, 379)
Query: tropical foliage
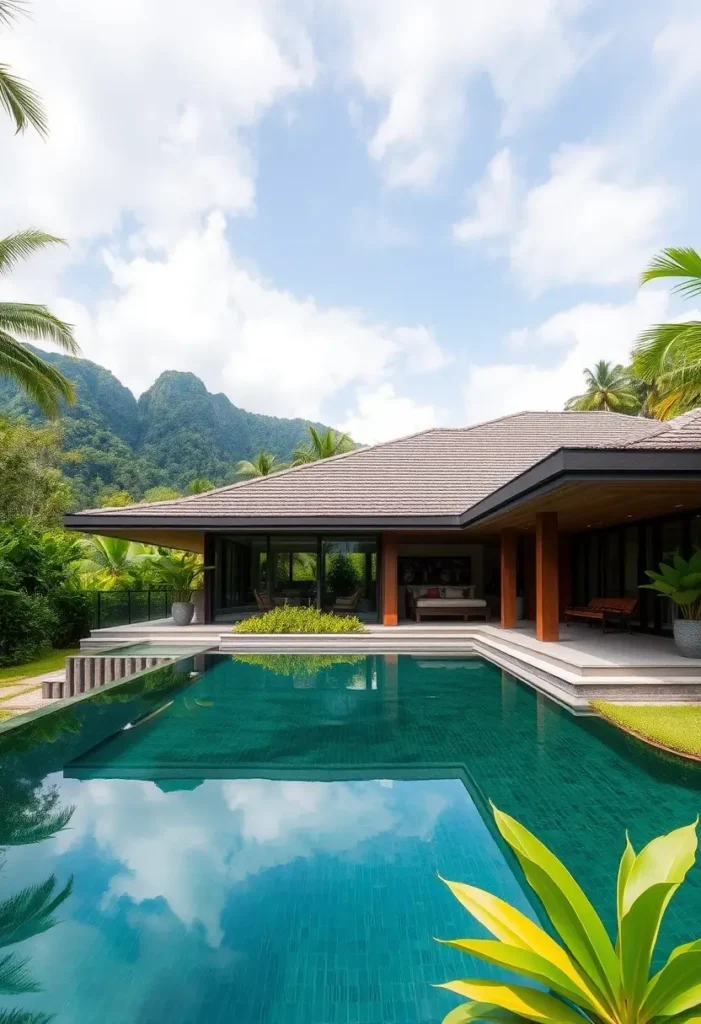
(18, 99)
(32, 482)
(669, 355)
(609, 388)
(263, 464)
(200, 485)
(289, 619)
(680, 581)
(298, 666)
(20, 321)
(321, 445)
(584, 976)
(111, 563)
(179, 572)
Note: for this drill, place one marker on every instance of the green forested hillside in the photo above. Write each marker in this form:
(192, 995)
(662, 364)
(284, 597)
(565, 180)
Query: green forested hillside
(175, 432)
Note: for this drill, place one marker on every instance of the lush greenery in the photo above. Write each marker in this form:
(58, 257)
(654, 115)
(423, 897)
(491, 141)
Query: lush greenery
(46, 663)
(680, 581)
(288, 619)
(584, 976)
(178, 572)
(264, 464)
(177, 435)
(664, 376)
(18, 99)
(32, 483)
(675, 726)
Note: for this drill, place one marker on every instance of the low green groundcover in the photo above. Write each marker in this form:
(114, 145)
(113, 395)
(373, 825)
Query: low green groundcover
(677, 726)
(288, 619)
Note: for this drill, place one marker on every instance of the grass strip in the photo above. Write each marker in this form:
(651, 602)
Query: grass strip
(49, 662)
(675, 726)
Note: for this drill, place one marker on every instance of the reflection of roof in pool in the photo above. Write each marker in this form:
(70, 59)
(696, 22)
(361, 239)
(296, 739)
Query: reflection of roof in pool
(170, 785)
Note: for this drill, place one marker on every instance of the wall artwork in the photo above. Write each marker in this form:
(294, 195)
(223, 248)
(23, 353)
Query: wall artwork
(442, 570)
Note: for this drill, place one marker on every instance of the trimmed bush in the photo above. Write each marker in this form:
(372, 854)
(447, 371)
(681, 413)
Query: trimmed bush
(289, 619)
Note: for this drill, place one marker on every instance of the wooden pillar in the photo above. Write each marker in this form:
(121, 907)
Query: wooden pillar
(529, 576)
(389, 579)
(547, 586)
(509, 546)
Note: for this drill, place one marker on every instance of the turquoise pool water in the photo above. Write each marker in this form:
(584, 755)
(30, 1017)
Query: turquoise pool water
(257, 841)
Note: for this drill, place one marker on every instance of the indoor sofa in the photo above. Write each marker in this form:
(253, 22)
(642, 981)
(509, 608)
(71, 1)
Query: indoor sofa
(460, 602)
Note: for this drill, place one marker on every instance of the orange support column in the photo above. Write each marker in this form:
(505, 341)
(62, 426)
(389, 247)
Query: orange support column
(509, 541)
(547, 596)
(390, 580)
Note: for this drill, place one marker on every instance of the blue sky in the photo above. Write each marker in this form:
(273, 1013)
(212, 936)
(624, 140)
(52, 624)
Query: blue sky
(386, 214)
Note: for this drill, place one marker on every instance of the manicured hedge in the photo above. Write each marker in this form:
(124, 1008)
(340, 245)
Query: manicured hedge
(289, 619)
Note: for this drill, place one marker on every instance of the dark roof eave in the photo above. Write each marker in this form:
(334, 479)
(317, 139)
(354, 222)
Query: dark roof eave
(91, 523)
(570, 464)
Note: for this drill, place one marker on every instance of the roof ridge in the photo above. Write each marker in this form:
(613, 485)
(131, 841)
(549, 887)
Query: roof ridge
(678, 423)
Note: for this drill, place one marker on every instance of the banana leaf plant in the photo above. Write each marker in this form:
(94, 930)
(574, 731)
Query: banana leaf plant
(680, 582)
(583, 977)
(179, 572)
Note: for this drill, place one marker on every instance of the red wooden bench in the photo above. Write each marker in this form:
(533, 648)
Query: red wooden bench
(604, 610)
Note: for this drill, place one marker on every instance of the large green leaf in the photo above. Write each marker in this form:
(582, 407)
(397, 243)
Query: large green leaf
(624, 869)
(482, 1011)
(569, 910)
(518, 999)
(658, 871)
(676, 988)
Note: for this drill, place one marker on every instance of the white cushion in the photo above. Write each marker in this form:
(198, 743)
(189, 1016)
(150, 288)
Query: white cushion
(451, 592)
(450, 602)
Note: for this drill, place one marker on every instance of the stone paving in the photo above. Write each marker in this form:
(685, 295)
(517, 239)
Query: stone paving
(25, 694)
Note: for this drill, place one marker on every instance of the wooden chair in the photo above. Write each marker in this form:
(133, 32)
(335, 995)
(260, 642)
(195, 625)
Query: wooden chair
(347, 605)
(263, 600)
(605, 610)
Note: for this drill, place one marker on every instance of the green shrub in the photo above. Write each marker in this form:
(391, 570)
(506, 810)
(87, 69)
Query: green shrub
(289, 619)
(27, 627)
(74, 616)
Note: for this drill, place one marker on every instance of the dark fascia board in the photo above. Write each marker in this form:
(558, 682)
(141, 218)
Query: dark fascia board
(569, 464)
(563, 465)
(229, 524)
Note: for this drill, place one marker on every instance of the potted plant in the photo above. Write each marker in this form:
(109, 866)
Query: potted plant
(179, 573)
(680, 581)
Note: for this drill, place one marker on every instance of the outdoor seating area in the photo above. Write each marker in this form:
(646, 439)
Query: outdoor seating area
(611, 611)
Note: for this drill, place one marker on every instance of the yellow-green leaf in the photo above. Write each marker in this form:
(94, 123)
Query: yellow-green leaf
(519, 999)
(664, 860)
(569, 910)
(677, 987)
(467, 1012)
(531, 965)
(627, 861)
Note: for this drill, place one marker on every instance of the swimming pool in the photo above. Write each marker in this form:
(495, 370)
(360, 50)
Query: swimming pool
(256, 839)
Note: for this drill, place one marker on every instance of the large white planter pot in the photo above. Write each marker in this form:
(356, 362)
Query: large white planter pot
(182, 612)
(198, 602)
(687, 637)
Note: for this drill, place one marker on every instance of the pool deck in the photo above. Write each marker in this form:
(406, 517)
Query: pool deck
(584, 665)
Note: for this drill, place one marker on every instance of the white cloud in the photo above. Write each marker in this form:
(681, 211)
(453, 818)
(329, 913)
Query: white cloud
(569, 341)
(148, 109)
(676, 50)
(590, 222)
(382, 415)
(417, 58)
(195, 307)
(495, 202)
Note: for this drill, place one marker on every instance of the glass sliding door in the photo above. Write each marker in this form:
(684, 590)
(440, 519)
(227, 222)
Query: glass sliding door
(240, 571)
(349, 580)
(294, 565)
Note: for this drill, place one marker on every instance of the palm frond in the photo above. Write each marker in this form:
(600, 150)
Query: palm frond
(662, 346)
(29, 912)
(37, 322)
(38, 379)
(673, 262)
(23, 244)
(24, 1017)
(14, 977)
(10, 10)
(22, 103)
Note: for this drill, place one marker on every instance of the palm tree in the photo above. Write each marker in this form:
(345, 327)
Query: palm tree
(20, 101)
(321, 446)
(37, 378)
(609, 389)
(264, 464)
(200, 485)
(668, 356)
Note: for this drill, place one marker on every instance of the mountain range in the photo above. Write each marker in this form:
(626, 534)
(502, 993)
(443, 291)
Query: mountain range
(176, 431)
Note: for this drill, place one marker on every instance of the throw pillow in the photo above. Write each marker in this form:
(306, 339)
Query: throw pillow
(433, 592)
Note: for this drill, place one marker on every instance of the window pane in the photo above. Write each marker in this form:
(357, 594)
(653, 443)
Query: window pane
(350, 576)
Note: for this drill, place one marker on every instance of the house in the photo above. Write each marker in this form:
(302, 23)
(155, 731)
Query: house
(517, 517)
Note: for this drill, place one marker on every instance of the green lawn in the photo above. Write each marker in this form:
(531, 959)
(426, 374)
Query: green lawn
(48, 663)
(677, 726)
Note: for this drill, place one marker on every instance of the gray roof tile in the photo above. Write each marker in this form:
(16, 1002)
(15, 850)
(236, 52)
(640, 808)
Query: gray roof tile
(442, 471)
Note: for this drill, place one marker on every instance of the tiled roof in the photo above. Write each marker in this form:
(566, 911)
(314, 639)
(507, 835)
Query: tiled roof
(684, 432)
(439, 472)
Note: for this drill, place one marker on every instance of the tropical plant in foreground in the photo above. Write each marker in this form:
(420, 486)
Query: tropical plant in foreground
(609, 388)
(680, 581)
(586, 977)
(321, 446)
(20, 101)
(669, 355)
(108, 559)
(180, 572)
(263, 464)
(31, 322)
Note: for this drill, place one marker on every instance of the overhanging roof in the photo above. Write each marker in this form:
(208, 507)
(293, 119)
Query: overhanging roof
(440, 478)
